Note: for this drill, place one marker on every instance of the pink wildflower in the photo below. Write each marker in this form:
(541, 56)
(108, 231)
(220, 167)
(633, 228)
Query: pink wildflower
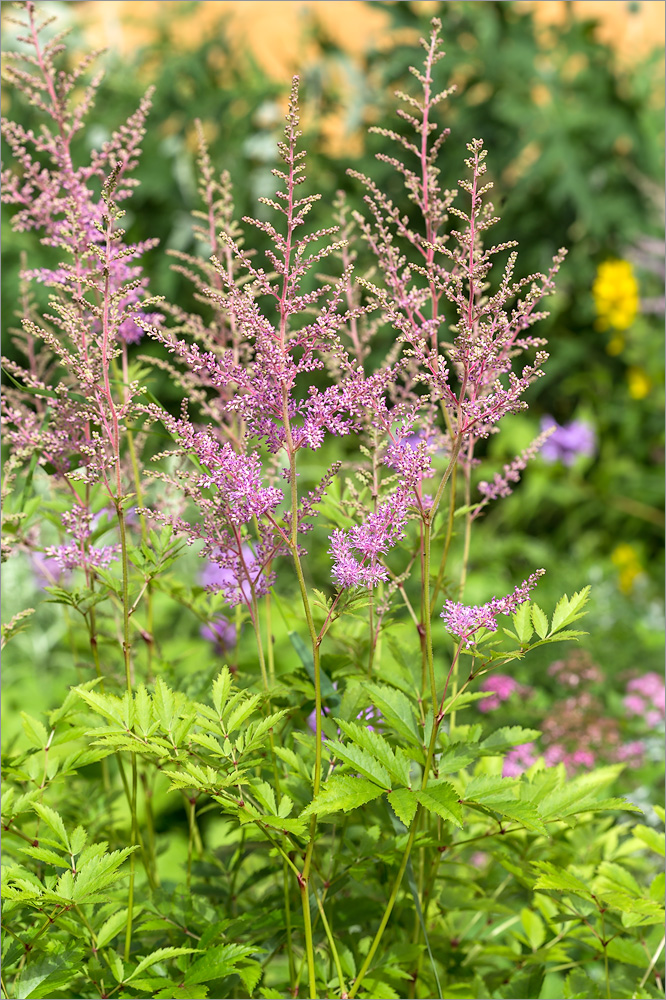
(502, 687)
(519, 759)
(465, 622)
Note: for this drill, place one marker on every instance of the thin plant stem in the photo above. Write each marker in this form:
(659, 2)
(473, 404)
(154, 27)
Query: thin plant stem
(410, 841)
(427, 621)
(191, 804)
(331, 942)
(287, 922)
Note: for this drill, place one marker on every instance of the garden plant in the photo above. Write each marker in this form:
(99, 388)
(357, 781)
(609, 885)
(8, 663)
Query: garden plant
(270, 776)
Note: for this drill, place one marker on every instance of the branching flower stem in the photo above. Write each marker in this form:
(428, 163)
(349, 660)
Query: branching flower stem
(410, 840)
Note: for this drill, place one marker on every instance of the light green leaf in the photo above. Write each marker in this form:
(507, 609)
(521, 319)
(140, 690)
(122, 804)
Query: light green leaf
(561, 880)
(43, 978)
(396, 762)
(78, 840)
(625, 950)
(115, 923)
(539, 620)
(217, 962)
(652, 838)
(99, 872)
(568, 611)
(106, 705)
(507, 737)
(163, 703)
(64, 887)
(242, 712)
(221, 689)
(404, 804)
(360, 760)
(116, 965)
(143, 708)
(341, 794)
(534, 928)
(443, 800)
(54, 821)
(396, 708)
(161, 955)
(48, 857)
(173, 992)
(522, 623)
(34, 730)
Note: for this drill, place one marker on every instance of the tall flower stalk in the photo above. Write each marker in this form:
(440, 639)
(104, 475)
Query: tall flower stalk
(274, 361)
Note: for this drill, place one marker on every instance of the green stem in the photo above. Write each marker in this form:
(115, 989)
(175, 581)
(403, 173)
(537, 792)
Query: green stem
(331, 942)
(287, 921)
(190, 840)
(427, 622)
(128, 680)
(464, 567)
(307, 923)
(150, 825)
(605, 947)
(387, 912)
(437, 720)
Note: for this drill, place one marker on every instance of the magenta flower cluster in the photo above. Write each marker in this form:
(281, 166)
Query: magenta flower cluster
(646, 698)
(464, 622)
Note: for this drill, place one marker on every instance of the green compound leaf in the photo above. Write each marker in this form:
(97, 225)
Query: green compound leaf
(54, 821)
(539, 620)
(161, 955)
(342, 794)
(443, 800)
(396, 762)
(396, 708)
(217, 962)
(404, 804)
(360, 760)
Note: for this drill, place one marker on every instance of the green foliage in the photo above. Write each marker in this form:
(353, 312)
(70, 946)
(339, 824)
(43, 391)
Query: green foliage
(166, 831)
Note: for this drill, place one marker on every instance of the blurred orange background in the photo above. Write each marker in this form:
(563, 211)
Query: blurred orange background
(273, 30)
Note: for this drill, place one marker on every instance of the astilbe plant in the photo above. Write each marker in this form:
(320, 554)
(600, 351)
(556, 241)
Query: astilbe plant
(277, 364)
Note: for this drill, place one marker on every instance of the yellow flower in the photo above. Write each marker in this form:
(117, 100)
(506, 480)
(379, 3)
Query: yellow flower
(628, 564)
(639, 383)
(615, 291)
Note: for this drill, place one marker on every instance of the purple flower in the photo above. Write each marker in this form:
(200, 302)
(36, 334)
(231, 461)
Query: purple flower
(228, 574)
(221, 633)
(632, 753)
(380, 531)
(567, 441)
(464, 621)
(518, 760)
(47, 570)
(646, 697)
(78, 523)
(502, 687)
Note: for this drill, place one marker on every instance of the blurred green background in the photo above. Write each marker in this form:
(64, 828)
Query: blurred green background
(574, 127)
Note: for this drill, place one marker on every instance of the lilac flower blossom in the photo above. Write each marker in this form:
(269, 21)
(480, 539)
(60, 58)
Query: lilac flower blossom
(646, 697)
(221, 633)
(356, 552)
(48, 570)
(502, 686)
(519, 759)
(464, 622)
(501, 484)
(233, 575)
(79, 553)
(631, 753)
(567, 441)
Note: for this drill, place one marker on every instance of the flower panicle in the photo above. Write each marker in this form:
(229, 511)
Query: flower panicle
(464, 622)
